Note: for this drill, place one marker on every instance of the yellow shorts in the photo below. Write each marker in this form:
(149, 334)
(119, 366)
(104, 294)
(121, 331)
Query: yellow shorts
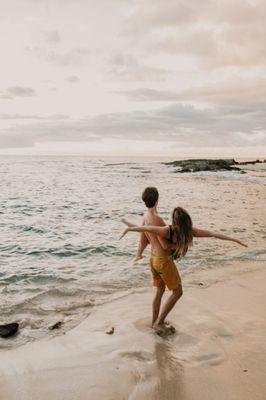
(164, 272)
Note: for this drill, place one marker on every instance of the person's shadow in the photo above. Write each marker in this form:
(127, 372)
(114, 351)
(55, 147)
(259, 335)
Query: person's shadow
(170, 372)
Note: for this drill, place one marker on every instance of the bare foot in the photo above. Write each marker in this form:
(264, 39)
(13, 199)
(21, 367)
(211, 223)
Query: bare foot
(170, 326)
(172, 329)
(159, 328)
(163, 329)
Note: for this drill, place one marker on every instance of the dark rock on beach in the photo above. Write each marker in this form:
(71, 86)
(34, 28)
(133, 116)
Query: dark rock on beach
(57, 325)
(205, 165)
(8, 330)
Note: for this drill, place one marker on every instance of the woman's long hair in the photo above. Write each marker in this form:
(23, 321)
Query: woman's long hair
(182, 232)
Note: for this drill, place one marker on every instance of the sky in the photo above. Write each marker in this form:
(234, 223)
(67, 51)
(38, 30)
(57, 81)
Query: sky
(177, 78)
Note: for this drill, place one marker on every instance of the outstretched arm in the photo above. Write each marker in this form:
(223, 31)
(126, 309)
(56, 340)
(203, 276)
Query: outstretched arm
(128, 223)
(144, 240)
(162, 231)
(200, 233)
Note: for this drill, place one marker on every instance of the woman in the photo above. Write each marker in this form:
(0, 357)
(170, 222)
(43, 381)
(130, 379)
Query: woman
(175, 239)
(178, 236)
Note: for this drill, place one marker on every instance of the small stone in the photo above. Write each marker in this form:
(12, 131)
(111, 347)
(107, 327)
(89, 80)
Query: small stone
(57, 325)
(111, 331)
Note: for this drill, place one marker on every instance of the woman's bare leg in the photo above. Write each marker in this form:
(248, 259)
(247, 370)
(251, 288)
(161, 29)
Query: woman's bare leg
(157, 303)
(175, 296)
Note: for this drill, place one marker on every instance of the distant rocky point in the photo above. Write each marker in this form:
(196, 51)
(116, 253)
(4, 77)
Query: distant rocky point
(252, 162)
(209, 165)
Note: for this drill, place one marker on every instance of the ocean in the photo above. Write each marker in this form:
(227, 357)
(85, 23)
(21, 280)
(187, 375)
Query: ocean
(60, 256)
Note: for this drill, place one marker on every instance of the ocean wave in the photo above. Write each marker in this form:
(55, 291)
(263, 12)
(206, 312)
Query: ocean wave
(255, 255)
(30, 322)
(72, 306)
(232, 175)
(55, 300)
(12, 248)
(257, 179)
(116, 164)
(31, 229)
(37, 277)
(71, 251)
(60, 292)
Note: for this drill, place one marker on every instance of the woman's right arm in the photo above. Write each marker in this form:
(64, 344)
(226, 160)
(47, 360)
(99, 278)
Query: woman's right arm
(127, 223)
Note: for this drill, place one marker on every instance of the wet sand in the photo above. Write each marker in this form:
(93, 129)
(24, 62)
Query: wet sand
(217, 353)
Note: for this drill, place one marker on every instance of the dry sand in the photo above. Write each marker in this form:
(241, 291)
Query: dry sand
(218, 352)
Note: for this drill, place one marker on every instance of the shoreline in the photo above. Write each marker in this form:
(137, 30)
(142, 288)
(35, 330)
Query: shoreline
(218, 352)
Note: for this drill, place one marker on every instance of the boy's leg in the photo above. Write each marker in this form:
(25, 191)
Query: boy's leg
(175, 296)
(157, 302)
(172, 279)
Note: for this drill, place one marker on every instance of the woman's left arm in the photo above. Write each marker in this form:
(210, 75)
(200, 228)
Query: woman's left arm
(202, 233)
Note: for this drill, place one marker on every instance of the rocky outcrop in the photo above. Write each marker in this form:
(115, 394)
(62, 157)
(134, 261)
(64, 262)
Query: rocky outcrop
(205, 165)
(252, 162)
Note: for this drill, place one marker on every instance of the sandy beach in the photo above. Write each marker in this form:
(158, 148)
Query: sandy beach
(218, 352)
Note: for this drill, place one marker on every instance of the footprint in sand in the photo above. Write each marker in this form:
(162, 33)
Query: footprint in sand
(187, 340)
(144, 325)
(138, 355)
(210, 359)
(223, 333)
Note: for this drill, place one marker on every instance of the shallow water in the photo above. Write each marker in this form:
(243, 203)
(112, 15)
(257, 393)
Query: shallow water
(59, 219)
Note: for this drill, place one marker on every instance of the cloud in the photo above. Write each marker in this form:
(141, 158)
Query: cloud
(216, 33)
(146, 94)
(183, 124)
(215, 48)
(52, 36)
(251, 92)
(151, 15)
(75, 56)
(156, 14)
(17, 91)
(54, 117)
(72, 79)
(124, 66)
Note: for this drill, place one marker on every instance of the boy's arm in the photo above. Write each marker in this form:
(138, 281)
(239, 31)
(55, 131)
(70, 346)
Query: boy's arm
(202, 233)
(143, 241)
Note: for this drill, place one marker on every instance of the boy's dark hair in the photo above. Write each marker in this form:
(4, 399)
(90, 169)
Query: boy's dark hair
(150, 196)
